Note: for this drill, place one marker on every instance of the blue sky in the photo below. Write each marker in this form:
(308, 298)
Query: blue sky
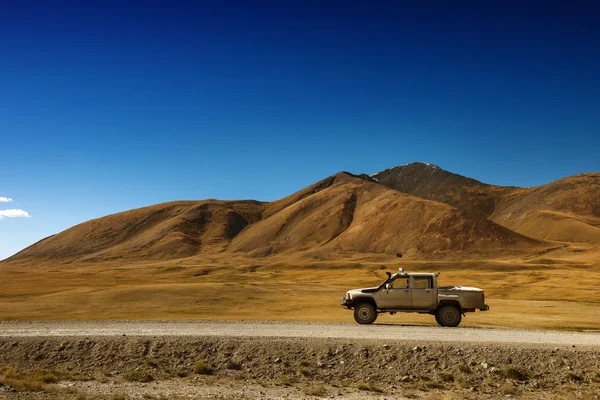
(106, 107)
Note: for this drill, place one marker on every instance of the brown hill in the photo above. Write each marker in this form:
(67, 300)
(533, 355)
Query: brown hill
(345, 213)
(163, 231)
(431, 182)
(565, 210)
(342, 213)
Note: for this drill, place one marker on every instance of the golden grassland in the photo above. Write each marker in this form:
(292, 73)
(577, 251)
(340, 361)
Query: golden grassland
(555, 290)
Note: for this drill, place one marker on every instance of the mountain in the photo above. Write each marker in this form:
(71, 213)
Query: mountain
(169, 230)
(565, 210)
(418, 209)
(431, 182)
(347, 213)
(342, 213)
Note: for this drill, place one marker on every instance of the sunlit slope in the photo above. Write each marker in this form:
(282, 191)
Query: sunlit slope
(434, 183)
(345, 213)
(565, 210)
(342, 213)
(163, 231)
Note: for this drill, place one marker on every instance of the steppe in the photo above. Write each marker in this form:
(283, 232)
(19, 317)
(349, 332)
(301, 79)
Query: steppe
(535, 252)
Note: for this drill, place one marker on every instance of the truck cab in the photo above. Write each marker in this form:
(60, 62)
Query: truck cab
(417, 291)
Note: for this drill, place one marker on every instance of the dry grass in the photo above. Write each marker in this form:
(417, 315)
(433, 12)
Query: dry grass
(203, 368)
(516, 374)
(286, 380)
(507, 388)
(465, 369)
(445, 377)
(232, 365)
(187, 259)
(138, 376)
(32, 380)
(369, 387)
(316, 390)
(553, 291)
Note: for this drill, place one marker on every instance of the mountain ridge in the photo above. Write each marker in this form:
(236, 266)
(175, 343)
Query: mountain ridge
(419, 209)
(343, 212)
(434, 183)
(567, 209)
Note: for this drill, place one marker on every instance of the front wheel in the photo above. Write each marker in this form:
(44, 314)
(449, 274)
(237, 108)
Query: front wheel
(448, 316)
(365, 313)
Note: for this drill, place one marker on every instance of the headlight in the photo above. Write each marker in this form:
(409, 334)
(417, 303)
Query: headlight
(348, 296)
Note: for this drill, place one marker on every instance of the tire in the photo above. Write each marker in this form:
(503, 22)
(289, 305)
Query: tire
(448, 316)
(365, 313)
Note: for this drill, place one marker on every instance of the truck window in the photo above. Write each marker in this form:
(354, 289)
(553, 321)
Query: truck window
(399, 283)
(422, 282)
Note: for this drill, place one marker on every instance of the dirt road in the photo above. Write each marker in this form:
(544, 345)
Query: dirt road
(296, 330)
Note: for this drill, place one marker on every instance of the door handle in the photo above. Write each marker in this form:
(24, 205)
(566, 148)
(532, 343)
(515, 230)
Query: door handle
(405, 290)
(427, 290)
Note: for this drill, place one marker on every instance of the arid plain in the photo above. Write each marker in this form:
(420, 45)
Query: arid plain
(535, 251)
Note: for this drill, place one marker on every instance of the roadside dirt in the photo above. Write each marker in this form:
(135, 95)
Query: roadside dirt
(211, 367)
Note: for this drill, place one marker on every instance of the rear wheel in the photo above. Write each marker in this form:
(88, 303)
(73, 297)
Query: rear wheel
(448, 316)
(365, 313)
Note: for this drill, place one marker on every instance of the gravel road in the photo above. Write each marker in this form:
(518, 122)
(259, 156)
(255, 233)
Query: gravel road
(297, 330)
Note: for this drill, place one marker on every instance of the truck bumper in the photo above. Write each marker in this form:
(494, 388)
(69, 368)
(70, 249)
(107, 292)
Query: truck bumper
(346, 303)
(485, 308)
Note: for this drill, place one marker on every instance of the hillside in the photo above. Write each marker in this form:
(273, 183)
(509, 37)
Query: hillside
(346, 213)
(418, 209)
(565, 210)
(292, 259)
(163, 231)
(431, 182)
(342, 213)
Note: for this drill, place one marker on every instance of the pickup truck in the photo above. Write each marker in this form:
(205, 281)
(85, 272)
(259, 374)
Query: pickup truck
(415, 293)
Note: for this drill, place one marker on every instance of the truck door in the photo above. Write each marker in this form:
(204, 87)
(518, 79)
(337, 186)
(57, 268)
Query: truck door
(397, 296)
(424, 296)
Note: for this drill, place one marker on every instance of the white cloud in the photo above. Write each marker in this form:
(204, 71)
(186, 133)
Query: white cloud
(5, 199)
(14, 213)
